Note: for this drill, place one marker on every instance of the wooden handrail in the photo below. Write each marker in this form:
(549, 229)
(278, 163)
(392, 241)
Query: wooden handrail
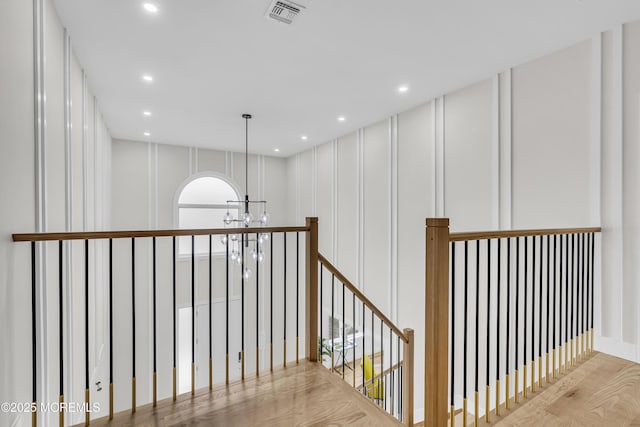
(93, 235)
(379, 376)
(498, 234)
(361, 296)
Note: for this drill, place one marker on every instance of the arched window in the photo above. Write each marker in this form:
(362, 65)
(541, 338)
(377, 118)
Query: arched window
(202, 203)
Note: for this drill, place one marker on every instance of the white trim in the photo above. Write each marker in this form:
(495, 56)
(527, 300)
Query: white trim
(193, 177)
(434, 161)
(196, 159)
(150, 191)
(191, 170)
(68, 330)
(596, 129)
(393, 217)
(40, 140)
(495, 152)
(157, 206)
(314, 181)
(85, 154)
(334, 201)
(617, 348)
(297, 191)
(618, 141)
(360, 137)
(440, 155)
(505, 179)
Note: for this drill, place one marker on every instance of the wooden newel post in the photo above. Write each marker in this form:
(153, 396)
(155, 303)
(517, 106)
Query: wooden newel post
(407, 382)
(311, 300)
(436, 322)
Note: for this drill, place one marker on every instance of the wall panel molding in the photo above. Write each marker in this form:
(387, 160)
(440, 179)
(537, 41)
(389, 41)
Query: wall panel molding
(69, 309)
(334, 201)
(314, 181)
(85, 154)
(596, 129)
(360, 137)
(495, 152)
(40, 170)
(439, 156)
(393, 217)
(505, 140)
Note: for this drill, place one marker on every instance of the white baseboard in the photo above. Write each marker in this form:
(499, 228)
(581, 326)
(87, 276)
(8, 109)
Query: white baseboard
(418, 415)
(617, 348)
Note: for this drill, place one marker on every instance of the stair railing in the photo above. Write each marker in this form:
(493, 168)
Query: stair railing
(390, 382)
(508, 299)
(276, 239)
(378, 356)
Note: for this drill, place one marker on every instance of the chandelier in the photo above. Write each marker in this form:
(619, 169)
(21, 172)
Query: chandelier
(241, 245)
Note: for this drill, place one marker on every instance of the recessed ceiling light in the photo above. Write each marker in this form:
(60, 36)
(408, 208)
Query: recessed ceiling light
(147, 134)
(277, 150)
(341, 119)
(304, 137)
(150, 7)
(403, 88)
(147, 78)
(147, 113)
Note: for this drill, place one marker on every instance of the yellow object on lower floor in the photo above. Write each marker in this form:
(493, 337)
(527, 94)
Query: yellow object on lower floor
(374, 389)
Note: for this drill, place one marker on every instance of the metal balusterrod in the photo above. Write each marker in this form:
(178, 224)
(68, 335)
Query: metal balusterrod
(86, 329)
(155, 343)
(297, 296)
(498, 305)
(353, 313)
(477, 340)
(210, 312)
(364, 344)
(271, 304)
(333, 279)
(257, 249)
(61, 327)
(227, 310)
(554, 305)
(343, 329)
(193, 315)
(592, 284)
(110, 329)
(174, 322)
(465, 327)
(242, 283)
(488, 356)
(540, 269)
(566, 302)
(547, 375)
(507, 381)
(517, 330)
(284, 352)
(533, 316)
(452, 383)
(321, 343)
(34, 396)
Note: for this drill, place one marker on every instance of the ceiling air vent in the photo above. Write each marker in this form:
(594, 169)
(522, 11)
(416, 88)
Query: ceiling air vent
(284, 11)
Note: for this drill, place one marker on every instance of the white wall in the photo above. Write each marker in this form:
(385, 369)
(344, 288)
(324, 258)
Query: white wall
(17, 201)
(55, 177)
(541, 145)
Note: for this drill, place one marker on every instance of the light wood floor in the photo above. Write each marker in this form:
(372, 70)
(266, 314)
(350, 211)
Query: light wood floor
(601, 391)
(300, 395)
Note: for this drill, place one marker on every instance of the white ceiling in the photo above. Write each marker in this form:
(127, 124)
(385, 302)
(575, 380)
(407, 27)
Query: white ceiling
(213, 60)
